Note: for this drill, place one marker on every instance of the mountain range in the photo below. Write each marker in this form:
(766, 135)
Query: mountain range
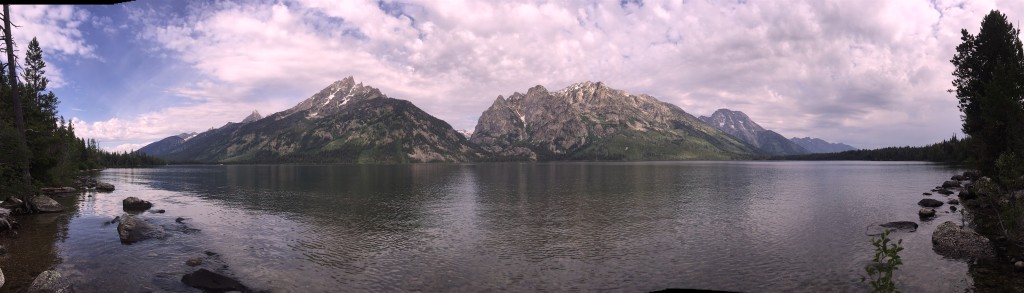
(348, 122)
(817, 145)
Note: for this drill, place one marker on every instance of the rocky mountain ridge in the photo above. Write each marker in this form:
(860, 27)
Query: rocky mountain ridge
(345, 122)
(739, 125)
(591, 121)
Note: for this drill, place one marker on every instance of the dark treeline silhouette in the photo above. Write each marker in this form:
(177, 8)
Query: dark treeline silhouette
(953, 150)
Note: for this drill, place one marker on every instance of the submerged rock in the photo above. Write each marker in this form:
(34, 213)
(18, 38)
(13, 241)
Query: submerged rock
(57, 190)
(953, 241)
(209, 281)
(901, 225)
(195, 261)
(929, 203)
(103, 186)
(926, 213)
(45, 204)
(133, 229)
(927, 193)
(135, 204)
(50, 281)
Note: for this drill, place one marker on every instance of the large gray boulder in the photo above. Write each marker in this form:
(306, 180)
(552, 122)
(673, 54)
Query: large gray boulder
(50, 282)
(133, 229)
(953, 241)
(45, 204)
(135, 204)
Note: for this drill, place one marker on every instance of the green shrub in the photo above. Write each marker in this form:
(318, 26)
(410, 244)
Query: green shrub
(885, 262)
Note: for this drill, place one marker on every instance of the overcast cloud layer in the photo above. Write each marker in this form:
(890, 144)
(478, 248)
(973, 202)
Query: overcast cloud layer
(867, 73)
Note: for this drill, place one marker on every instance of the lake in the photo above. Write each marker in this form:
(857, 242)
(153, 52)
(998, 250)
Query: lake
(561, 226)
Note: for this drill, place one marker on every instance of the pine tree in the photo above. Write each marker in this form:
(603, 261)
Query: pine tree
(989, 81)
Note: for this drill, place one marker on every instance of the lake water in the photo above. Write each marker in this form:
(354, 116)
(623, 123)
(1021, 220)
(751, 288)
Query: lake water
(631, 226)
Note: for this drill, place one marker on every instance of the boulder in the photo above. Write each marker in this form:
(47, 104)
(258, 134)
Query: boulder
(50, 281)
(929, 203)
(45, 204)
(135, 204)
(953, 201)
(951, 184)
(958, 177)
(133, 229)
(926, 213)
(950, 240)
(901, 225)
(11, 203)
(57, 190)
(209, 281)
(103, 186)
(971, 175)
(2, 279)
(945, 191)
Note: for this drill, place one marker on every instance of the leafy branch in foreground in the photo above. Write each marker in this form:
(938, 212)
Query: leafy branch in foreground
(887, 260)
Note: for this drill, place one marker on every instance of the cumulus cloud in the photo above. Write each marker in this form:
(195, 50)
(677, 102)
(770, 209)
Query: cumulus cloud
(57, 28)
(868, 73)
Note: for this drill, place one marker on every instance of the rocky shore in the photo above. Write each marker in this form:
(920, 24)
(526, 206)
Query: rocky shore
(30, 247)
(980, 238)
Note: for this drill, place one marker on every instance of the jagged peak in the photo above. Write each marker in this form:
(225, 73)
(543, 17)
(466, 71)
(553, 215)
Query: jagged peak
(252, 117)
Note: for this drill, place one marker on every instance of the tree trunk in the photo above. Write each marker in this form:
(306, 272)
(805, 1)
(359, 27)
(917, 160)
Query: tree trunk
(19, 111)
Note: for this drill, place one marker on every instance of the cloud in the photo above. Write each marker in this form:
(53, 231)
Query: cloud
(57, 29)
(868, 73)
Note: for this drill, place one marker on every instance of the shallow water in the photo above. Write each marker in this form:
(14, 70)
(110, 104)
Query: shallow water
(636, 226)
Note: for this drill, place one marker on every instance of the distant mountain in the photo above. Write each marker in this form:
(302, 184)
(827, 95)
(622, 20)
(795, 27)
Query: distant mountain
(345, 122)
(588, 121)
(466, 133)
(252, 117)
(738, 124)
(167, 144)
(817, 145)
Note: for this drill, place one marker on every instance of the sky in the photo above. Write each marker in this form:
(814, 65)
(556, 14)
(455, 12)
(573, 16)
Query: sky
(867, 73)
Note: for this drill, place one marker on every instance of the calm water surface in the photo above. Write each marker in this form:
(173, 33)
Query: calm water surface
(637, 226)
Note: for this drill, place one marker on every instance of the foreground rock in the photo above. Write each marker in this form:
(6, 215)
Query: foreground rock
(57, 190)
(132, 229)
(929, 203)
(103, 186)
(926, 213)
(950, 240)
(6, 223)
(901, 225)
(11, 203)
(50, 281)
(45, 204)
(210, 281)
(135, 204)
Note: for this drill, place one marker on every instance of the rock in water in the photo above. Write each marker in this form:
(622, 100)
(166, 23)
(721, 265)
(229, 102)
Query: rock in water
(45, 204)
(132, 229)
(50, 282)
(901, 225)
(926, 213)
(135, 204)
(953, 201)
(195, 261)
(951, 184)
(11, 203)
(953, 241)
(929, 203)
(210, 281)
(104, 186)
(945, 191)
(57, 190)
